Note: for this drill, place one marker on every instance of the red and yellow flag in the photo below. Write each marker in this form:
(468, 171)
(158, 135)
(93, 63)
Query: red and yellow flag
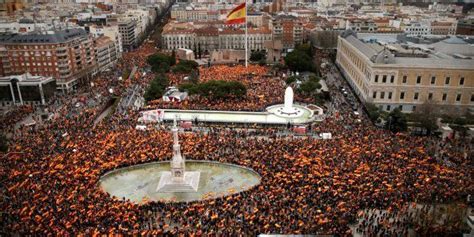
(237, 16)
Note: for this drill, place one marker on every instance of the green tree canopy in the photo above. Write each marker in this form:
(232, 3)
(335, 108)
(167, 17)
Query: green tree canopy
(373, 111)
(185, 66)
(292, 79)
(160, 62)
(157, 88)
(300, 61)
(310, 86)
(257, 56)
(426, 117)
(216, 89)
(397, 121)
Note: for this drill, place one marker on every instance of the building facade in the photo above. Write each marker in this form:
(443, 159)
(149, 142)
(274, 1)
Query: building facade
(210, 39)
(106, 53)
(129, 34)
(287, 29)
(26, 90)
(465, 27)
(66, 55)
(443, 28)
(401, 76)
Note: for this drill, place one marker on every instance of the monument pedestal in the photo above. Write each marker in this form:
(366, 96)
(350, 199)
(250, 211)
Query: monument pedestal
(189, 183)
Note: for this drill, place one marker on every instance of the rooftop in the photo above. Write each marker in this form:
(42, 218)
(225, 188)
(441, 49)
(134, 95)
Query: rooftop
(393, 49)
(50, 37)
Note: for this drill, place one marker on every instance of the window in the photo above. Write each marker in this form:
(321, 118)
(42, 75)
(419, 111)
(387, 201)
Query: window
(418, 79)
(392, 79)
(414, 107)
(415, 97)
(447, 80)
(382, 95)
(461, 81)
(458, 97)
(376, 78)
(404, 79)
(389, 107)
(400, 107)
(384, 78)
(430, 96)
(390, 95)
(472, 98)
(433, 80)
(374, 95)
(402, 95)
(445, 96)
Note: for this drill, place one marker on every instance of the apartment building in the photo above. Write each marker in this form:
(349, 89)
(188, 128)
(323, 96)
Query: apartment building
(129, 34)
(66, 55)
(288, 29)
(106, 53)
(405, 75)
(183, 14)
(443, 27)
(416, 28)
(465, 27)
(361, 25)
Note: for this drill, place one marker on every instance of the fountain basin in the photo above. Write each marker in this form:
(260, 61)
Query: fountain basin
(138, 183)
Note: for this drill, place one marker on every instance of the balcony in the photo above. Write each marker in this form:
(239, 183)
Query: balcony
(61, 52)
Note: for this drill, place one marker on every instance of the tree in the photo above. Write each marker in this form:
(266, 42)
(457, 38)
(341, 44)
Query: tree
(258, 55)
(397, 121)
(289, 80)
(300, 61)
(310, 86)
(426, 117)
(216, 89)
(173, 53)
(157, 88)
(160, 62)
(3, 143)
(373, 111)
(199, 51)
(194, 76)
(185, 66)
(195, 50)
(307, 49)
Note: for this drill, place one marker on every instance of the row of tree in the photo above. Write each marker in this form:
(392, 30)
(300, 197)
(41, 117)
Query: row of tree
(424, 119)
(216, 89)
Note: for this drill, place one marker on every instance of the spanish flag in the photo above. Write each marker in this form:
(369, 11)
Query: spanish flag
(237, 16)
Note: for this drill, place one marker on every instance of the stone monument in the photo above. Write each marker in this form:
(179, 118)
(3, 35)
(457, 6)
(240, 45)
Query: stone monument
(178, 180)
(288, 110)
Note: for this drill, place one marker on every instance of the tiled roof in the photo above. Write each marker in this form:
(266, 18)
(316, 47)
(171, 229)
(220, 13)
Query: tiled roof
(30, 38)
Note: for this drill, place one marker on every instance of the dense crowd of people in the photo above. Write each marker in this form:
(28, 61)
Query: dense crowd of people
(308, 186)
(262, 89)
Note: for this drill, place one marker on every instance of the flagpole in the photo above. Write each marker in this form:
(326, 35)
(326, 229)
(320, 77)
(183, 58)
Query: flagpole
(246, 36)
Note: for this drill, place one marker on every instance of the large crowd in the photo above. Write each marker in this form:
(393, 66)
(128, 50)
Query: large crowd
(308, 186)
(262, 89)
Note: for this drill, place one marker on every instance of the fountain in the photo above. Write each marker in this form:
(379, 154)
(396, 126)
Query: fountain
(178, 180)
(288, 110)
(285, 113)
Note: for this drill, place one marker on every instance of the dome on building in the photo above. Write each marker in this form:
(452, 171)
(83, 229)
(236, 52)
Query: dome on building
(384, 57)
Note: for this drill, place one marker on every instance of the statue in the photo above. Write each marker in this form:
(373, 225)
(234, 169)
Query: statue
(178, 180)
